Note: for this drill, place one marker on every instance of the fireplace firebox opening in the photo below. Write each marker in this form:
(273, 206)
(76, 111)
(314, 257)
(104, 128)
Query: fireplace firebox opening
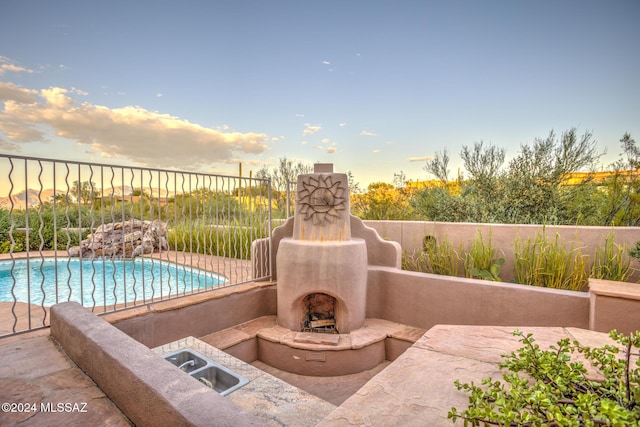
(319, 313)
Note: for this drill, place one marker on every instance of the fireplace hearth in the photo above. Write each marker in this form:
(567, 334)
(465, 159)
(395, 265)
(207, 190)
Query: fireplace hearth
(319, 313)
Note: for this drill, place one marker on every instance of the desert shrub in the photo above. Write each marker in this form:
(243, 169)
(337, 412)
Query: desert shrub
(548, 388)
(232, 240)
(437, 257)
(481, 259)
(611, 261)
(548, 263)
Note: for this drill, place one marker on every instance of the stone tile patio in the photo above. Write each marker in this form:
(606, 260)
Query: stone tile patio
(417, 388)
(35, 372)
(414, 390)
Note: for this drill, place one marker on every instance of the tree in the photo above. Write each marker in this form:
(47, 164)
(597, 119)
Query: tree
(482, 163)
(140, 192)
(84, 192)
(484, 186)
(382, 202)
(532, 184)
(283, 178)
(399, 180)
(354, 186)
(532, 189)
(622, 188)
(438, 166)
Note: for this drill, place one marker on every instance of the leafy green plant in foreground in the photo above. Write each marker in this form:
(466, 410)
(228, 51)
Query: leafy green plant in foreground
(547, 388)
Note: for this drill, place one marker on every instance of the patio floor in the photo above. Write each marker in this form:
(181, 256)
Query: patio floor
(414, 390)
(47, 388)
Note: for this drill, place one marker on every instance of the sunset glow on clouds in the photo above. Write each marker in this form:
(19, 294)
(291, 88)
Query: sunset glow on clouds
(144, 137)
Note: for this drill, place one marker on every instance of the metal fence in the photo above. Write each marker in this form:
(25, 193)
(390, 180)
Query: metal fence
(116, 237)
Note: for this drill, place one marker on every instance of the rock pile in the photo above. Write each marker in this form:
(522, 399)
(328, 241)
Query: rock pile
(127, 239)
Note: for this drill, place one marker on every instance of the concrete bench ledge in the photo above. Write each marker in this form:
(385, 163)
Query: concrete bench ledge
(147, 389)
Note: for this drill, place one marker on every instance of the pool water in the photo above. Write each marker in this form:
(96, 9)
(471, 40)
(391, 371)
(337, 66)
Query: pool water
(99, 282)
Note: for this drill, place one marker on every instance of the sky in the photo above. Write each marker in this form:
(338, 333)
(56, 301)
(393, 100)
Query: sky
(374, 87)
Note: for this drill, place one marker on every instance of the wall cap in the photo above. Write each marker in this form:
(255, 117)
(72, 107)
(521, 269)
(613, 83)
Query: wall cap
(612, 288)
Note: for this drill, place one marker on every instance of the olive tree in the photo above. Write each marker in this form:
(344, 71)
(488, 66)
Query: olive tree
(530, 190)
(622, 205)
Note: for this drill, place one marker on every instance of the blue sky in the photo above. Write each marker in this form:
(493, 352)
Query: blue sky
(374, 87)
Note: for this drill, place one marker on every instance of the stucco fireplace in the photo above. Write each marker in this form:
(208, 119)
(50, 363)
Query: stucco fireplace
(322, 271)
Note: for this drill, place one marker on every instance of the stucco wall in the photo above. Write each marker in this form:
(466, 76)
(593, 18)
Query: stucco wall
(425, 300)
(410, 235)
(159, 323)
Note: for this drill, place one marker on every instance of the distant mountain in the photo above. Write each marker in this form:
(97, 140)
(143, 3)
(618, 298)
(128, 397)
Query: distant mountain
(30, 197)
(34, 198)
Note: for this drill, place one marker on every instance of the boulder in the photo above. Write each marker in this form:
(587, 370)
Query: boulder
(126, 239)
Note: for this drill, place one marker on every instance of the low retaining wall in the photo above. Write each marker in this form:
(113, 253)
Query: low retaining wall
(614, 305)
(159, 323)
(425, 300)
(147, 389)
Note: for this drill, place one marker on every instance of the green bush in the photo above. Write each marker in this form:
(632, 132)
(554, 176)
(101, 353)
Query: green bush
(44, 234)
(548, 388)
(232, 240)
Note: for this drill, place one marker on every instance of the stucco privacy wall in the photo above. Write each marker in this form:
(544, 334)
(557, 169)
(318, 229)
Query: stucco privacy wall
(410, 235)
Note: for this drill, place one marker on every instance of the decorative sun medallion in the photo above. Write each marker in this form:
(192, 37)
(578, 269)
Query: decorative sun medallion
(321, 199)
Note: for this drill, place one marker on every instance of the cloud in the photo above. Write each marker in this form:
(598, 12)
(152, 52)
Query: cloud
(310, 129)
(420, 159)
(13, 93)
(376, 151)
(326, 62)
(343, 124)
(144, 137)
(13, 68)
(367, 133)
(331, 150)
(6, 65)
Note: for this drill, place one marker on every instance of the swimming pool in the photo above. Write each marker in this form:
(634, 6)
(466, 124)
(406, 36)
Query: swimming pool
(99, 281)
